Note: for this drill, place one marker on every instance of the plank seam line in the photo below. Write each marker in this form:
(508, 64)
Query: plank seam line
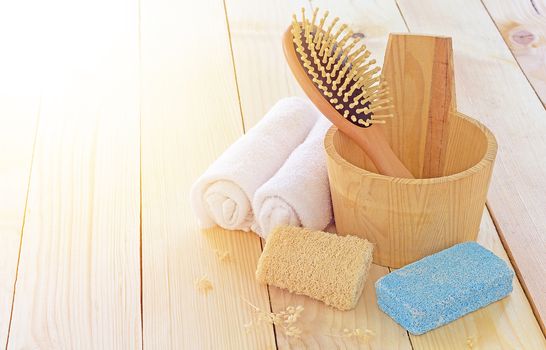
(407, 333)
(512, 54)
(270, 304)
(402, 15)
(234, 67)
(534, 6)
(515, 267)
(24, 219)
(139, 35)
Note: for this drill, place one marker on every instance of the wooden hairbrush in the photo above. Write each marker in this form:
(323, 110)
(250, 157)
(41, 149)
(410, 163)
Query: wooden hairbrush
(344, 84)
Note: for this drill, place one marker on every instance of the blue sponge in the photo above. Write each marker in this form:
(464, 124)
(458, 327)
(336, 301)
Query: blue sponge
(443, 287)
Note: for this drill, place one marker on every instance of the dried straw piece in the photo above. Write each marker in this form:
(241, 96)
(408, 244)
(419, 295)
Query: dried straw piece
(203, 284)
(360, 335)
(223, 256)
(285, 320)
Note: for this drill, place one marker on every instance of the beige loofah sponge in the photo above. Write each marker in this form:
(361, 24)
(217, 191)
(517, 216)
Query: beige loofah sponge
(318, 264)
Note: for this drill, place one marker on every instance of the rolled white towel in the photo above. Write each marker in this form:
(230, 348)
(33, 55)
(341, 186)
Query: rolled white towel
(299, 193)
(223, 194)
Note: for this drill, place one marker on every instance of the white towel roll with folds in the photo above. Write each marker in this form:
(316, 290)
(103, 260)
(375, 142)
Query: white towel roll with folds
(223, 194)
(299, 193)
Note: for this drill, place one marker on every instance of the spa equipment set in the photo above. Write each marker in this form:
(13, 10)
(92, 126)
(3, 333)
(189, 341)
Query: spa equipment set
(403, 172)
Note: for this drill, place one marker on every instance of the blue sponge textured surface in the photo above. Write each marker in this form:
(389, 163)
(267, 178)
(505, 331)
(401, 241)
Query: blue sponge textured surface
(443, 287)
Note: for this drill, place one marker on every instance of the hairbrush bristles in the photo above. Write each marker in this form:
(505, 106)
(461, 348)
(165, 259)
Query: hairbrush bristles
(339, 65)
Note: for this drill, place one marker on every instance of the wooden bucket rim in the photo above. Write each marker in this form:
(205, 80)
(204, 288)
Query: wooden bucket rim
(488, 157)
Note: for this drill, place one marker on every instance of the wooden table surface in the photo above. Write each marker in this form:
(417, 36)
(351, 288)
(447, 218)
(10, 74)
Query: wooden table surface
(109, 110)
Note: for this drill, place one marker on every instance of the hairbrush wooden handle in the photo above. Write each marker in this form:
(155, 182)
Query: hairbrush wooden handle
(371, 140)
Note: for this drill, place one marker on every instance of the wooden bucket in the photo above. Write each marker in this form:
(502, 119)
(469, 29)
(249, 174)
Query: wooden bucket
(450, 154)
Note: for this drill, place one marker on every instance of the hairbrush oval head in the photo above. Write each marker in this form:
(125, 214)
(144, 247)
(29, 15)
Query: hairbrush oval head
(335, 70)
(339, 66)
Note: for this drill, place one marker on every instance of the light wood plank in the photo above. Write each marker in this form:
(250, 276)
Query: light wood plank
(19, 109)
(78, 284)
(18, 116)
(506, 324)
(256, 29)
(190, 114)
(264, 77)
(492, 88)
(523, 27)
